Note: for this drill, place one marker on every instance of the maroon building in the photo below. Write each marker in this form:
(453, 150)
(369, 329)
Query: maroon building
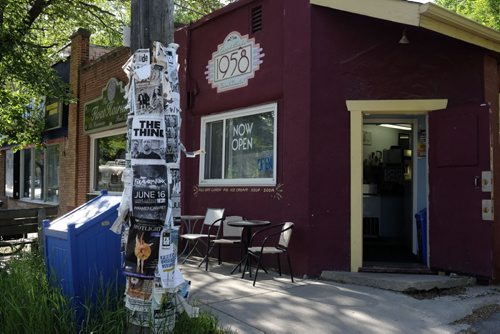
(348, 118)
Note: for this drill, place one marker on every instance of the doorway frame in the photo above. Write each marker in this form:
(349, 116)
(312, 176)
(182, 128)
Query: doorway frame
(357, 109)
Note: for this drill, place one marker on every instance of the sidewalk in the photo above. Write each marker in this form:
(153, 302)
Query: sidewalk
(276, 305)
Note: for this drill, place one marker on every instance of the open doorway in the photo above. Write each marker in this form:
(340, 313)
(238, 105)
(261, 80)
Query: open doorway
(360, 111)
(390, 193)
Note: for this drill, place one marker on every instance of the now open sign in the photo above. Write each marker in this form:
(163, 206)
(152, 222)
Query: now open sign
(242, 137)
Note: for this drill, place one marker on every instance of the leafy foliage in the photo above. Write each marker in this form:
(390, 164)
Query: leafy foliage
(32, 35)
(486, 12)
(32, 32)
(190, 10)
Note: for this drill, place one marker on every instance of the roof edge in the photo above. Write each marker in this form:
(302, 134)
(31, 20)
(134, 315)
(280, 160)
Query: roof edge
(429, 16)
(389, 10)
(441, 20)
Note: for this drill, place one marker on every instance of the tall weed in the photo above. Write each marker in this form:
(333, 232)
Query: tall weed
(28, 304)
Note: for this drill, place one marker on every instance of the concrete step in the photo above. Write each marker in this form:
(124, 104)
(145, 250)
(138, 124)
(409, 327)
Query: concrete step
(399, 282)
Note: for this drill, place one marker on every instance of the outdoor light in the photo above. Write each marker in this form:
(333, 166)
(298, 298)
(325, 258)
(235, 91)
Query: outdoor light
(404, 39)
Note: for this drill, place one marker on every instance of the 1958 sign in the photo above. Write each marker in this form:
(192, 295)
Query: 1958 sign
(234, 63)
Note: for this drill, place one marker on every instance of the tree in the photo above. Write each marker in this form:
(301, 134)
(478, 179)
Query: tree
(32, 34)
(486, 12)
(190, 10)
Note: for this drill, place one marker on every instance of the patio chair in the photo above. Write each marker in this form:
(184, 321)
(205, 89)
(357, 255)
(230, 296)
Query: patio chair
(230, 236)
(209, 229)
(271, 244)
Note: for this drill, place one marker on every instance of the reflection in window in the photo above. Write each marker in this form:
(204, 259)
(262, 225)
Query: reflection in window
(249, 146)
(40, 174)
(109, 162)
(240, 147)
(52, 173)
(27, 173)
(9, 173)
(213, 140)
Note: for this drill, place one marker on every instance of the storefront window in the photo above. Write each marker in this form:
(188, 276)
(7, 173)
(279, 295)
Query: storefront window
(240, 147)
(40, 174)
(52, 173)
(109, 162)
(26, 161)
(9, 173)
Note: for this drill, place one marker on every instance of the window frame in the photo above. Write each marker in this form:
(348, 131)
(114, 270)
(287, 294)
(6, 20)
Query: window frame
(92, 172)
(254, 110)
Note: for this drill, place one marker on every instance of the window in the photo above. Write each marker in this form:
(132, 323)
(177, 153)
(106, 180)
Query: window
(53, 114)
(40, 174)
(52, 158)
(108, 160)
(240, 147)
(9, 173)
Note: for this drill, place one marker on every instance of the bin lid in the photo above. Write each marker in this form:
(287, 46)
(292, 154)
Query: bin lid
(86, 213)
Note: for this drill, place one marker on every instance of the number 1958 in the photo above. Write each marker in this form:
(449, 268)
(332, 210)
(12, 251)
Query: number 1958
(233, 63)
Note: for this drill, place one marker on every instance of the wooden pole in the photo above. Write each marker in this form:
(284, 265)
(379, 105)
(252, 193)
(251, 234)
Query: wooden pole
(152, 20)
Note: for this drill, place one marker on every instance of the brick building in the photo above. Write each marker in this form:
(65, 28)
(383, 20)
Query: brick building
(62, 172)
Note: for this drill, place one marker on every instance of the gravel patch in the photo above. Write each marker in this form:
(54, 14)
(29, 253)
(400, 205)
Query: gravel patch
(478, 315)
(434, 293)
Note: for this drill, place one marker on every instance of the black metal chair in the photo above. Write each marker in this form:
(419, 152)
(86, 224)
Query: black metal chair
(209, 229)
(230, 235)
(271, 244)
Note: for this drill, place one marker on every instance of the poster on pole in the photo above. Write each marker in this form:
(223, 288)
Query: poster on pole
(150, 192)
(141, 257)
(139, 294)
(172, 130)
(148, 140)
(149, 100)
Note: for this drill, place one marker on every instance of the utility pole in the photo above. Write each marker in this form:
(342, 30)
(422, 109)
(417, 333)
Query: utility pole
(152, 20)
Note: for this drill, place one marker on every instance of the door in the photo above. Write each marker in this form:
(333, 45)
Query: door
(459, 149)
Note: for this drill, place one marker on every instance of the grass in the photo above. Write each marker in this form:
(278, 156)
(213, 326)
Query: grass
(30, 305)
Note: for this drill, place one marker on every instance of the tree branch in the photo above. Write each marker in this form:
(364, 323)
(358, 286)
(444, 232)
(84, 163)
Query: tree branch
(93, 8)
(97, 12)
(38, 7)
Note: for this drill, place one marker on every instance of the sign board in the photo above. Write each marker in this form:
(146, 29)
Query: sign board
(234, 63)
(108, 111)
(53, 115)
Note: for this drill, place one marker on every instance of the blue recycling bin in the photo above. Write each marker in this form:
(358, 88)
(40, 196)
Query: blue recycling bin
(82, 254)
(421, 220)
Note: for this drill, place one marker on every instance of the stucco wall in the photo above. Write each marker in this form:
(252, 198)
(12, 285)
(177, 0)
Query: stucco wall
(283, 77)
(359, 58)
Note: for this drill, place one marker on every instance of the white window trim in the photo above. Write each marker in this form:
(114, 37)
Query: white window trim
(234, 114)
(92, 173)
